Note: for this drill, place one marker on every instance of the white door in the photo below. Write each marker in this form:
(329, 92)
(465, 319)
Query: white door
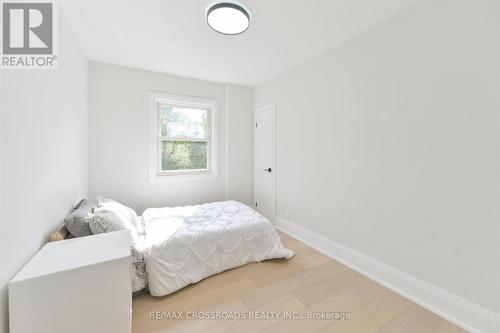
(264, 168)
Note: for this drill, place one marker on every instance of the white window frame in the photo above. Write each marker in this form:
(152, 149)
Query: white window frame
(156, 175)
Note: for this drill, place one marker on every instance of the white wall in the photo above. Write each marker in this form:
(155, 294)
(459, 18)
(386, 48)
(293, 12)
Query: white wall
(389, 144)
(43, 154)
(118, 138)
(3, 275)
(240, 147)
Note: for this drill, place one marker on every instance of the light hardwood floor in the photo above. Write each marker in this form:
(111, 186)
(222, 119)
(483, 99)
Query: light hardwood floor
(309, 282)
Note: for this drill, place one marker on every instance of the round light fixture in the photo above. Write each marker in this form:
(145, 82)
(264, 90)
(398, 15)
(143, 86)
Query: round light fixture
(228, 18)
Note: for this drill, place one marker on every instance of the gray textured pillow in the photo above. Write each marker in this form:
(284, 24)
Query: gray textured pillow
(108, 221)
(77, 222)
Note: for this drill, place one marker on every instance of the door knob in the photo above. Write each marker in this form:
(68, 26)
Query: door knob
(268, 170)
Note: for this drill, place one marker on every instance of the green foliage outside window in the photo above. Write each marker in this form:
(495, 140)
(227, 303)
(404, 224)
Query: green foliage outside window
(183, 155)
(184, 141)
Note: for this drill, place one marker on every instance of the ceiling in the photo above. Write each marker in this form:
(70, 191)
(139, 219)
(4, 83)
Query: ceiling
(172, 36)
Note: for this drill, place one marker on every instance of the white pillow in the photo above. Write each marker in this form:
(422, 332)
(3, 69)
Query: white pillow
(126, 213)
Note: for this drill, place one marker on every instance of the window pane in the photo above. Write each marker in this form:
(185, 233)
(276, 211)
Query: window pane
(183, 122)
(183, 155)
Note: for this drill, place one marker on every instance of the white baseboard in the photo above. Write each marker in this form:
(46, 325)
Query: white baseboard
(460, 311)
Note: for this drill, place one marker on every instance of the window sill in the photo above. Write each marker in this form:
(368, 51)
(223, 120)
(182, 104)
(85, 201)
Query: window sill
(180, 177)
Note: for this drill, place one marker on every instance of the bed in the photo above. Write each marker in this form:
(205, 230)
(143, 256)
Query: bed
(173, 247)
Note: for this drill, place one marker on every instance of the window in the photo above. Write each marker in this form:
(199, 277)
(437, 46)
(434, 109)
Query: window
(182, 141)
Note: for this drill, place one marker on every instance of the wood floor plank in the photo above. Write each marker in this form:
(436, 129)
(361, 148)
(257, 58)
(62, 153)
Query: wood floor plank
(287, 303)
(342, 301)
(447, 327)
(314, 293)
(414, 319)
(207, 300)
(276, 270)
(213, 325)
(371, 315)
(269, 292)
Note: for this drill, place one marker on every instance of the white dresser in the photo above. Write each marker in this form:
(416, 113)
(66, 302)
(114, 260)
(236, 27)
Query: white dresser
(79, 285)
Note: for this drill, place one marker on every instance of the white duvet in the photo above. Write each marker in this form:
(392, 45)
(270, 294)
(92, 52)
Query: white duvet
(183, 245)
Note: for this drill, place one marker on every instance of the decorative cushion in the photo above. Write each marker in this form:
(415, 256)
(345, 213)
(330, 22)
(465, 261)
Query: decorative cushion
(109, 221)
(77, 221)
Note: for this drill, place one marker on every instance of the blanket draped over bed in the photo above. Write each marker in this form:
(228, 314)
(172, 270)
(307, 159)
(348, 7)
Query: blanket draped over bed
(183, 245)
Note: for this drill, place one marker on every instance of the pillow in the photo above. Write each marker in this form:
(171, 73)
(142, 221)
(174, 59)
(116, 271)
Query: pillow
(77, 221)
(105, 204)
(108, 221)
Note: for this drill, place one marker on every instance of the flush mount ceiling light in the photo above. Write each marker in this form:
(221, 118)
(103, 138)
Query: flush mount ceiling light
(228, 18)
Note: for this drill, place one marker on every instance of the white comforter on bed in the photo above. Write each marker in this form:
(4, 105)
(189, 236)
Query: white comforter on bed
(183, 245)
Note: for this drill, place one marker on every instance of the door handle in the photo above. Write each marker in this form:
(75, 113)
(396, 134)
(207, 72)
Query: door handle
(268, 170)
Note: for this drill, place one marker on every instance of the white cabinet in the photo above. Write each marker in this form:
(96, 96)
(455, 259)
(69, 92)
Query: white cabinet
(78, 285)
